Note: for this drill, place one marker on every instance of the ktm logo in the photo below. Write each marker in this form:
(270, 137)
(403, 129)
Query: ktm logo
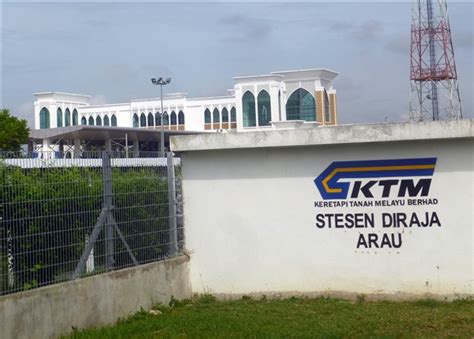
(335, 181)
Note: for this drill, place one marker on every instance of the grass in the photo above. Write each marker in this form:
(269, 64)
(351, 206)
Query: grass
(296, 317)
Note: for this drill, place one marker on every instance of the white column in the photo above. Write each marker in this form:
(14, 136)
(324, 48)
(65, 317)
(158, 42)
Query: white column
(283, 102)
(46, 149)
(77, 148)
(53, 111)
(274, 102)
(255, 93)
(238, 108)
(135, 148)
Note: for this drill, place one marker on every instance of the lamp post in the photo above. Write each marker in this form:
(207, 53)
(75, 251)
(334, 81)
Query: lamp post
(161, 82)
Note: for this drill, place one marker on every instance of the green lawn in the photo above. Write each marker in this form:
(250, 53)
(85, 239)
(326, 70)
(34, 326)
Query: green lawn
(296, 317)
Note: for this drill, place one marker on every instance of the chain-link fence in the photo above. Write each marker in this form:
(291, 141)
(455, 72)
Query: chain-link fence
(62, 219)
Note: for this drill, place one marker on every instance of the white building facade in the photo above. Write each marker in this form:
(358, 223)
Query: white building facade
(255, 103)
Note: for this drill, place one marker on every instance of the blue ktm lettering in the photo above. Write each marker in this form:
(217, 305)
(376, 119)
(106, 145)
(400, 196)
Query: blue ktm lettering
(406, 188)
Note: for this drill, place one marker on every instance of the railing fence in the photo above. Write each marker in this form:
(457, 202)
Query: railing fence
(62, 219)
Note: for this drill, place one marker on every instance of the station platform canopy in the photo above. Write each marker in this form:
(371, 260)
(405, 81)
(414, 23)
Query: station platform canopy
(103, 133)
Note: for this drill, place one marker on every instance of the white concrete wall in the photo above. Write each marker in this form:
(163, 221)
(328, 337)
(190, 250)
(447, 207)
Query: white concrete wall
(197, 106)
(54, 100)
(193, 110)
(250, 217)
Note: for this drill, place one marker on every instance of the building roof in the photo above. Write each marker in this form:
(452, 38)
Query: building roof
(310, 73)
(299, 74)
(62, 93)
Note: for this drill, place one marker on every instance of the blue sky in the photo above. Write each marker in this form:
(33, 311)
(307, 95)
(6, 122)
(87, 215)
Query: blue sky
(110, 50)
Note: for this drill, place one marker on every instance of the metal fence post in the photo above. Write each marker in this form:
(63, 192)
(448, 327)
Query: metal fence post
(173, 241)
(109, 222)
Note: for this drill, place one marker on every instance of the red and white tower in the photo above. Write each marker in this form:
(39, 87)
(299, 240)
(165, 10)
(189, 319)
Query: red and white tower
(433, 75)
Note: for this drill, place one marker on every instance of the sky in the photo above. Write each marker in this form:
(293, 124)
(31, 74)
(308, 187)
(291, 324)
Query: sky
(111, 50)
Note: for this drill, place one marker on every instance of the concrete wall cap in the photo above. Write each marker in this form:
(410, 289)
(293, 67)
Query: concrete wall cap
(327, 135)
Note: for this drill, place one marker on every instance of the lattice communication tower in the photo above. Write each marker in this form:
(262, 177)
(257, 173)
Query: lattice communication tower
(433, 75)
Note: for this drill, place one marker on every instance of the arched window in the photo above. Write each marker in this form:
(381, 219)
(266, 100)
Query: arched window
(233, 115)
(83, 121)
(248, 108)
(59, 118)
(157, 119)
(301, 106)
(173, 119)
(106, 120)
(264, 109)
(91, 121)
(166, 119)
(67, 117)
(327, 113)
(142, 120)
(114, 120)
(216, 118)
(180, 118)
(207, 116)
(225, 115)
(150, 121)
(44, 118)
(75, 117)
(135, 120)
(98, 121)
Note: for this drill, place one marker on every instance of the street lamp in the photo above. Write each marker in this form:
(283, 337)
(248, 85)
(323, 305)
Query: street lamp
(161, 82)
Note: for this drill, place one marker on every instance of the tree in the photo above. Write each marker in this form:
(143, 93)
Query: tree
(14, 132)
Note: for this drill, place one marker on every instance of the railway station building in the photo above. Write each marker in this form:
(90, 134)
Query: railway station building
(255, 103)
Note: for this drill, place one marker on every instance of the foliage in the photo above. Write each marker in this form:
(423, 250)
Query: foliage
(296, 317)
(13, 131)
(50, 212)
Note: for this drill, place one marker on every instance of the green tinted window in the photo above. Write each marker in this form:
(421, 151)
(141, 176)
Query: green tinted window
(59, 118)
(215, 116)
(225, 115)
(75, 117)
(264, 110)
(67, 117)
(135, 120)
(248, 108)
(150, 119)
(173, 118)
(207, 116)
(327, 113)
(44, 118)
(301, 106)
